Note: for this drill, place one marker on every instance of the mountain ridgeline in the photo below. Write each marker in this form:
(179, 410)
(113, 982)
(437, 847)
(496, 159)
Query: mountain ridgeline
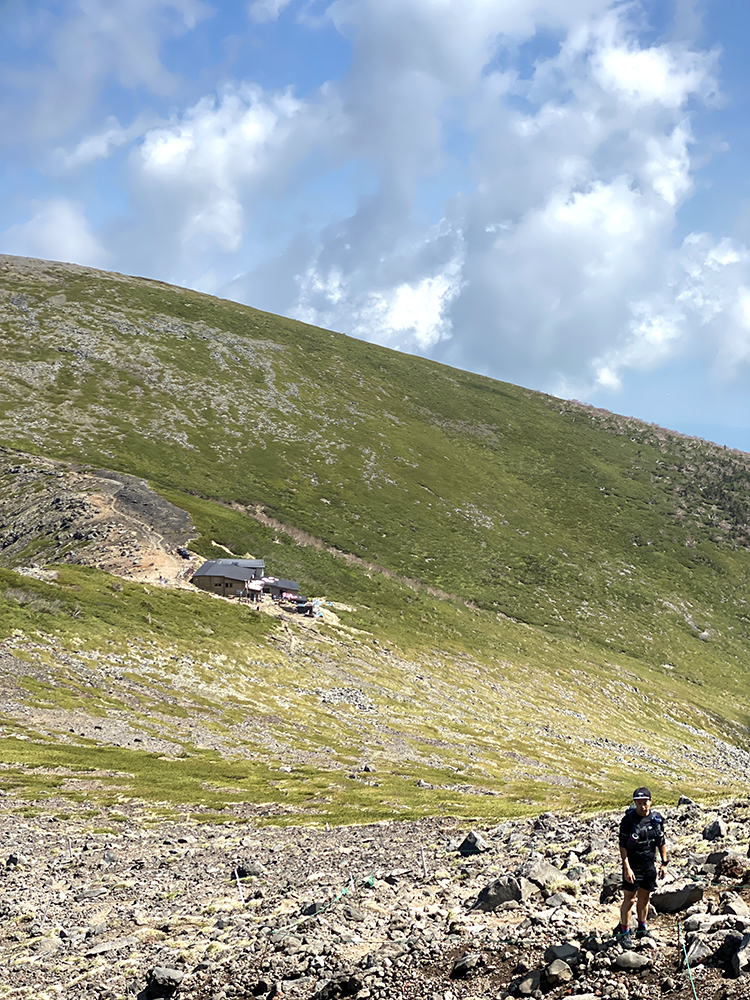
(465, 519)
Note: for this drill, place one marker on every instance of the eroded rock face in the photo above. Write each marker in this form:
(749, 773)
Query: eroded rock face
(93, 517)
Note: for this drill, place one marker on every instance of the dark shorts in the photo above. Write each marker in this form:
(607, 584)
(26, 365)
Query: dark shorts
(645, 878)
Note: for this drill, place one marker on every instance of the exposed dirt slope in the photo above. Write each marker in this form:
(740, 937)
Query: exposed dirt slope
(62, 512)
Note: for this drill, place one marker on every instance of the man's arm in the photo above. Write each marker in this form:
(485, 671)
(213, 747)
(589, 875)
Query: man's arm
(664, 862)
(626, 869)
(662, 844)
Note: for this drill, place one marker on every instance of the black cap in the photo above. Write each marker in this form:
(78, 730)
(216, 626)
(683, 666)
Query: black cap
(642, 793)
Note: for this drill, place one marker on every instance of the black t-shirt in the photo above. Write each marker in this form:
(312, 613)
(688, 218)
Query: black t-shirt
(640, 836)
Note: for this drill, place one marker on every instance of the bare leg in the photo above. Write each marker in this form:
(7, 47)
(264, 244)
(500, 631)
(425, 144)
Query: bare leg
(641, 906)
(627, 906)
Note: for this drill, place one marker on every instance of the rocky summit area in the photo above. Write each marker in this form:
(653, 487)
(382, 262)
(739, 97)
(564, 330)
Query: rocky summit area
(428, 909)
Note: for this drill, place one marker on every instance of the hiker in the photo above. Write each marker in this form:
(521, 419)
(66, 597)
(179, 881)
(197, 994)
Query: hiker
(641, 833)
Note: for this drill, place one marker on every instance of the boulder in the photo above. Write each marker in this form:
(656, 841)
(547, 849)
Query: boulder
(741, 958)
(701, 922)
(473, 843)
(633, 961)
(501, 890)
(734, 905)
(566, 952)
(557, 973)
(611, 888)
(716, 857)
(465, 964)
(530, 983)
(684, 800)
(346, 985)
(715, 830)
(543, 874)
(559, 899)
(163, 982)
(677, 897)
(699, 948)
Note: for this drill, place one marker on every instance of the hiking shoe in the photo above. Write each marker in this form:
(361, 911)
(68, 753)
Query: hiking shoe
(644, 932)
(623, 936)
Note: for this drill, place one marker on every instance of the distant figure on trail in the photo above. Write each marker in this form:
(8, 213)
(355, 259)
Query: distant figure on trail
(641, 833)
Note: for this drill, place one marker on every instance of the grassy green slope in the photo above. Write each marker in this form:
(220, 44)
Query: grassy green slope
(609, 538)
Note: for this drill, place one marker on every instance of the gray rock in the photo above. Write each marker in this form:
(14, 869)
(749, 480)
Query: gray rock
(93, 893)
(632, 961)
(741, 959)
(734, 905)
(116, 944)
(716, 857)
(473, 843)
(346, 985)
(465, 964)
(247, 869)
(530, 983)
(73, 933)
(543, 874)
(501, 890)
(559, 899)
(701, 922)
(699, 947)
(557, 973)
(566, 952)
(677, 897)
(165, 978)
(684, 800)
(716, 830)
(611, 888)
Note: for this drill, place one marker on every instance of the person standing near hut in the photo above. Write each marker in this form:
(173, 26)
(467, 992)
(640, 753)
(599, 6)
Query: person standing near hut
(641, 835)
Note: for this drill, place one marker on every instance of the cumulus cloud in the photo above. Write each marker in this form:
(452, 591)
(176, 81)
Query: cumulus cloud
(547, 269)
(495, 183)
(58, 230)
(200, 180)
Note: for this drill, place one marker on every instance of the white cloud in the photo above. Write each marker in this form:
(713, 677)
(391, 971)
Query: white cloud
(263, 11)
(99, 145)
(80, 46)
(59, 230)
(508, 220)
(655, 75)
(705, 316)
(410, 315)
(200, 180)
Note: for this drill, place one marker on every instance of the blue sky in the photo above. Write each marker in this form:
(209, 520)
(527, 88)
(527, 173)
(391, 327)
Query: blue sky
(551, 192)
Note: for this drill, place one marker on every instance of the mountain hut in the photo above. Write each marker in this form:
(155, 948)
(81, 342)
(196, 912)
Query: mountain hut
(280, 588)
(229, 577)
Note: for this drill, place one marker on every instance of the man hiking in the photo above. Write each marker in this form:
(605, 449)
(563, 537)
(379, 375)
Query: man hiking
(641, 833)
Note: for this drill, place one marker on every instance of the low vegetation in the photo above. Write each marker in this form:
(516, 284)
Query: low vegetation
(548, 601)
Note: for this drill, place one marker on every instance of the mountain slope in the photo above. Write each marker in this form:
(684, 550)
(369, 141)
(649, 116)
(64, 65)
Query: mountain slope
(461, 516)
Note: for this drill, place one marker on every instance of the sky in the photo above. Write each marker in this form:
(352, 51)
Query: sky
(550, 192)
